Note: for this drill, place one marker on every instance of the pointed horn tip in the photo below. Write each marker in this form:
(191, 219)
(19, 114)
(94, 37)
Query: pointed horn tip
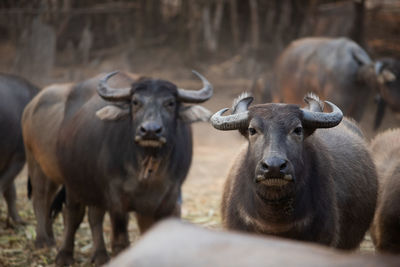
(220, 112)
(197, 73)
(215, 118)
(334, 107)
(201, 77)
(109, 75)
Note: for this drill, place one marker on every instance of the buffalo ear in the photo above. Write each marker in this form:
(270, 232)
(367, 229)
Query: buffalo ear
(387, 76)
(112, 113)
(195, 113)
(384, 75)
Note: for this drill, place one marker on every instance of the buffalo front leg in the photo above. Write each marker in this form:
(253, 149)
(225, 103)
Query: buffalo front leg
(73, 216)
(144, 222)
(10, 195)
(96, 218)
(120, 238)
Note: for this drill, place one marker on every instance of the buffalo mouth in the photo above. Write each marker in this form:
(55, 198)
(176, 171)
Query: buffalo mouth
(159, 142)
(274, 181)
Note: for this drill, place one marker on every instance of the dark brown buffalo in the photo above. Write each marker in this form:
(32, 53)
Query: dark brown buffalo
(115, 150)
(296, 180)
(385, 230)
(15, 93)
(173, 243)
(333, 68)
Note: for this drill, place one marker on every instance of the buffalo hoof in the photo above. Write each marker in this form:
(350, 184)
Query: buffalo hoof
(64, 258)
(44, 243)
(12, 223)
(100, 257)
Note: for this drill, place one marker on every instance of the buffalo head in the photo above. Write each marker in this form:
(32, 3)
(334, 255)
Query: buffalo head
(276, 135)
(388, 73)
(154, 106)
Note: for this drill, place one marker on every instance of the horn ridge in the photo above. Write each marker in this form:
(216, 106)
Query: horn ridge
(199, 96)
(112, 94)
(314, 119)
(229, 122)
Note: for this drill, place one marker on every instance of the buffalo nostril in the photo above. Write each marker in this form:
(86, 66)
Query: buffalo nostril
(264, 165)
(283, 166)
(274, 165)
(159, 130)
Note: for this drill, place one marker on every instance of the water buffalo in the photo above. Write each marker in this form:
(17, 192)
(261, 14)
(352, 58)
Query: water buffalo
(389, 89)
(15, 93)
(173, 243)
(296, 180)
(385, 230)
(115, 149)
(333, 68)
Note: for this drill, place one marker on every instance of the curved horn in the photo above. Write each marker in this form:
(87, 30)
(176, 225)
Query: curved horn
(112, 94)
(199, 96)
(378, 67)
(312, 119)
(230, 122)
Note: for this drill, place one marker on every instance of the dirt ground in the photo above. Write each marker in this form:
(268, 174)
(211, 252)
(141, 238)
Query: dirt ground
(213, 154)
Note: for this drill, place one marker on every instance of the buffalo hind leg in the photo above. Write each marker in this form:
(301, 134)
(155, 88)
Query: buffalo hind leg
(96, 218)
(43, 192)
(7, 186)
(73, 216)
(120, 238)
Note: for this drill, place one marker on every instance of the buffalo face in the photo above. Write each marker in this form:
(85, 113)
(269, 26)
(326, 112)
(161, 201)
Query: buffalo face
(388, 72)
(276, 134)
(154, 107)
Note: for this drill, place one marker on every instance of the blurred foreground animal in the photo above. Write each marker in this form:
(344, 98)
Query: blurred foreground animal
(333, 68)
(15, 93)
(115, 149)
(172, 243)
(385, 230)
(296, 179)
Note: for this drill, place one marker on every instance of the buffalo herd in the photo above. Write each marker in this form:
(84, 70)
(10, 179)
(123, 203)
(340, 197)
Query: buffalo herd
(119, 142)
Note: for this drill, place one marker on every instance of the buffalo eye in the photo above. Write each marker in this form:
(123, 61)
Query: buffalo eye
(298, 130)
(135, 103)
(252, 131)
(170, 104)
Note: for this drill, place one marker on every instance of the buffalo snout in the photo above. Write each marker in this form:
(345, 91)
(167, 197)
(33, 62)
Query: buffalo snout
(150, 133)
(150, 130)
(273, 168)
